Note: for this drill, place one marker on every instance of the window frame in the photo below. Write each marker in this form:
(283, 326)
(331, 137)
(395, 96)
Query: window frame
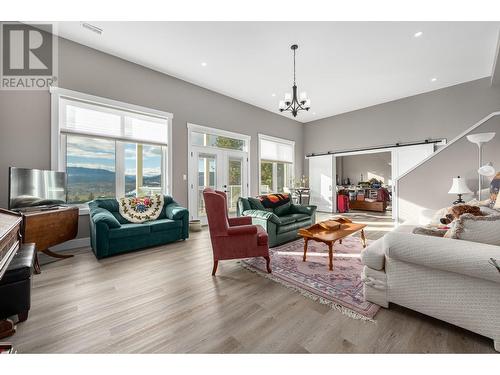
(274, 162)
(58, 138)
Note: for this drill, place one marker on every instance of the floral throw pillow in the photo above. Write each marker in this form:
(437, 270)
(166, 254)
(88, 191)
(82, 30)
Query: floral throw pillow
(141, 209)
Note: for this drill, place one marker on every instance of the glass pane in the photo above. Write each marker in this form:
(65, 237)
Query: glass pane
(207, 177)
(266, 177)
(284, 177)
(235, 184)
(142, 169)
(90, 165)
(211, 140)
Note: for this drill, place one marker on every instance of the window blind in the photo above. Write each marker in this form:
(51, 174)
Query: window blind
(105, 122)
(276, 151)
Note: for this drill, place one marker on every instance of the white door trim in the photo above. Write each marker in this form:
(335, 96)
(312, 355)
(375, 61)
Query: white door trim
(193, 166)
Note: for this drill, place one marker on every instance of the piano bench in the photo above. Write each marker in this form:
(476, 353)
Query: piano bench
(15, 286)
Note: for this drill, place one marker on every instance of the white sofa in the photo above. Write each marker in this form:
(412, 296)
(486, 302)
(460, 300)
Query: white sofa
(448, 279)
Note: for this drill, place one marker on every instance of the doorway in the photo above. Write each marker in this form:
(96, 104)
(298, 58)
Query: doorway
(323, 173)
(218, 160)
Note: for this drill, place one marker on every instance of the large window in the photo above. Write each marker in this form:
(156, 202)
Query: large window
(109, 149)
(276, 164)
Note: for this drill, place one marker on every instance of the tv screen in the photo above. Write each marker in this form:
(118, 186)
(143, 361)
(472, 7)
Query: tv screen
(35, 188)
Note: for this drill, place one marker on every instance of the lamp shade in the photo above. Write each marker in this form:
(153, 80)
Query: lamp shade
(459, 187)
(480, 138)
(487, 170)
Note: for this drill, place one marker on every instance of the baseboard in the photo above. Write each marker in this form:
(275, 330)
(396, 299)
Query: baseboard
(72, 244)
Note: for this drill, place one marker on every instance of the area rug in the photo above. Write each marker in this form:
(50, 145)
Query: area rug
(341, 289)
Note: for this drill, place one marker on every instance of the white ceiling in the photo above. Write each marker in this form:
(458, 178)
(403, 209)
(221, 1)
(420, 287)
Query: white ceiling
(343, 66)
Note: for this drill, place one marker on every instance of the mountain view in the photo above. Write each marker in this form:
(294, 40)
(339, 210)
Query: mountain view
(85, 184)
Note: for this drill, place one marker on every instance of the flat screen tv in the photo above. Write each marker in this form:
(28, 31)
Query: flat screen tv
(35, 188)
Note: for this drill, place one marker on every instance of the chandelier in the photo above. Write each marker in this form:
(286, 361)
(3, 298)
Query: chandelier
(291, 102)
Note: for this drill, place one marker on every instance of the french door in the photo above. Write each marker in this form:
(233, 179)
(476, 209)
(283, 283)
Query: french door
(225, 170)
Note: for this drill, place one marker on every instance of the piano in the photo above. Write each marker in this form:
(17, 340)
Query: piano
(10, 241)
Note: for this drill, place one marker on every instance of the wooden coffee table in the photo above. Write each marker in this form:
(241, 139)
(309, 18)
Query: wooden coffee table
(329, 232)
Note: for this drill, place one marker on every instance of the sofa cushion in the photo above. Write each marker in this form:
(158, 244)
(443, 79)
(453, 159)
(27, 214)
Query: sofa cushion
(243, 205)
(119, 218)
(164, 224)
(103, 215)
(284, 209)
(287, 219)
(130, 230)
(274, 200)
(256, 204)
(292, 226)
(300, 217)
(109, 204)
(483, 229)
(266, 215)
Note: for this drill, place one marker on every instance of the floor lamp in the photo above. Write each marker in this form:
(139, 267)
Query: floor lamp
(480, 139)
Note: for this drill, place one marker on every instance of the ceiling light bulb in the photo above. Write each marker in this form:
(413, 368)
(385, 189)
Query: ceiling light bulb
(434, 79)
(203, 64)
(418, 34)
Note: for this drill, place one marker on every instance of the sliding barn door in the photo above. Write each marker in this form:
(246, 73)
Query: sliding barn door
(321, 182)
(404, 159)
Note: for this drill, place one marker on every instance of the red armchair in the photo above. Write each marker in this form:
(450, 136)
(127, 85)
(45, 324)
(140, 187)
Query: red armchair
(233, 238)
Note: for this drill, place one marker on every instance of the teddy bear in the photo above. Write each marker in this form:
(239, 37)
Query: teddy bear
(456, 211)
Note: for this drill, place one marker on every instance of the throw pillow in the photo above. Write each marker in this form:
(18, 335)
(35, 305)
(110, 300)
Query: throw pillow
(483, 229)
(141, 209)
(274, 200)
(256, 204)
(284, 209)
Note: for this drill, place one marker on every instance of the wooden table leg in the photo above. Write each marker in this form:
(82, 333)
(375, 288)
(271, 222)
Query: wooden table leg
(37, 264)
(330, 256)
(7, 328)
(56, 255)
(363, 238)
(305, 249)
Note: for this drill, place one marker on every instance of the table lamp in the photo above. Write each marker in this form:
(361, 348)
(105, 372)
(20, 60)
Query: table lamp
(459, 187)
(480, 139)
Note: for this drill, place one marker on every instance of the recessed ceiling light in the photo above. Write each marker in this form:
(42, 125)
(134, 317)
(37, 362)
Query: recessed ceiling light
(273, 94)
(314, 113)
(418, 34)
(434, 79)
(203, 64)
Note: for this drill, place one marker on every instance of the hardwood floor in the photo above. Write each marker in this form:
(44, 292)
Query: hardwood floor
(164, 300)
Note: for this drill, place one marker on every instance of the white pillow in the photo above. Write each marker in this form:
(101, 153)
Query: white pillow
(483, 229)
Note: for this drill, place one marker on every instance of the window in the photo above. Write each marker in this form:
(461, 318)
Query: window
(276, 164)
(107, 148)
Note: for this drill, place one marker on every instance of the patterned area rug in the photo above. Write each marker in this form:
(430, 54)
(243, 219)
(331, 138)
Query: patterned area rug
(341, 288)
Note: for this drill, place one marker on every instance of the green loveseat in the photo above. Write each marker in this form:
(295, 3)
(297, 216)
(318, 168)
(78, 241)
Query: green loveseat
(281, 223)
(111, 233)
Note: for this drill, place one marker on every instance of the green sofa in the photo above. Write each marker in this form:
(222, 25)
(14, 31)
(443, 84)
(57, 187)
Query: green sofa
(280, 223)
(111, 233)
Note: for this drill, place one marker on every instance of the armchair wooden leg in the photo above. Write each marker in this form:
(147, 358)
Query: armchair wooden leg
(23, 316)
(214, 270)
(268, 264)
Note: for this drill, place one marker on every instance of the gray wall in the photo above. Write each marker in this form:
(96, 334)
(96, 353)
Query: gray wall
(25, 115)
(355, 165)
(425, 189)
(442, 113)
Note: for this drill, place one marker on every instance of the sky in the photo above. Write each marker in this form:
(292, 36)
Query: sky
(98, 153)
